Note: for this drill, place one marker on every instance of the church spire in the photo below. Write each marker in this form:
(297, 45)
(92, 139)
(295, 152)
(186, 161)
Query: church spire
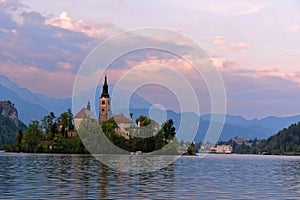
(105, 89)
(88, 107)
(104, 107)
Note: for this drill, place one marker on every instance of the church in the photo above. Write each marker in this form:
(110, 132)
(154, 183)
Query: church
(123, 122)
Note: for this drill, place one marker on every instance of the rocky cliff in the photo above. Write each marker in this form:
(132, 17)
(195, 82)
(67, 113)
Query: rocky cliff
(7, 109)
(9, 123)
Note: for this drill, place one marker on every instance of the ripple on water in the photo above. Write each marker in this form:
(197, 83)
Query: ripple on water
(49, 176)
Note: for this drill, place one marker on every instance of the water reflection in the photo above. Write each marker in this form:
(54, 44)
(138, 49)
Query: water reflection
(102, 189)
(33, 176)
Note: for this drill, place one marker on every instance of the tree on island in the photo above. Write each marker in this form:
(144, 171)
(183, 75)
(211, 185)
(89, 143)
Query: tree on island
(168, 129)
(143, 121)
(50, 130)
(109, 126)
(146, 138)
(66, 121)
(16, 146)
(33, 135)
(149, 137)
(191, 150)
(49, 125)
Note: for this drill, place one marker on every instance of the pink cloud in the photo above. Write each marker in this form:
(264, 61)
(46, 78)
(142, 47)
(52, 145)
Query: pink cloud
(236, 8)
(218, 40)
(295, 28)
(53, 84)
(295, 76)
(84, 26)
(64, 65)
(242, 79)
(234, 47)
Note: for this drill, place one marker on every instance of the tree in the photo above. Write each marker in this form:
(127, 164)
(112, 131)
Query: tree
(66, 120)
(285, 141)
(32, 137)
(131, 116)
(144, 121)
(59, 144)
(70, 120)
(168, 129)
(48, 121)
(242, 149)
(190, 150)
(109, 126)
(49, 125)
(18, 140)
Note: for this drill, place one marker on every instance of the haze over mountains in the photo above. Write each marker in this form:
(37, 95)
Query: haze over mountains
(32, 106)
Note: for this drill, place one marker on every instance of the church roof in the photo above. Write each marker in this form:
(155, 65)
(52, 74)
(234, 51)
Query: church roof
(122, 119)
(85, 113)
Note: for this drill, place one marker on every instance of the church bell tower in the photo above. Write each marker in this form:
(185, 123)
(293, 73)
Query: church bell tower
(104, 107)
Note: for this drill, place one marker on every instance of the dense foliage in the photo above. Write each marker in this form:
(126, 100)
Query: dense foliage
(286, 141)
(146, 138)
(51, 135)
(48, 135)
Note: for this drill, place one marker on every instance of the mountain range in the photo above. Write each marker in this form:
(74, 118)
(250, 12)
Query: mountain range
(33, 106)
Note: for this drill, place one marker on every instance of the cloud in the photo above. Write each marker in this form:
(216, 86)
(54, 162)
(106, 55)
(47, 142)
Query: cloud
(53, 84)
(294, 77)
(259, 92)
(248, 89)
(242, 7)
(64, 65)
(84, 26)
(224, 63)
(34, 43)
(33, 18)
(234, 47)
(218, 40)
(242, 79)
(250, 9)
(36, 52)
(12, 5)
(295, 28)
(43, 53)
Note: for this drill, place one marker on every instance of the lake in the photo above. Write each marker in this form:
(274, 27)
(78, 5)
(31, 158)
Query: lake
(49, 176)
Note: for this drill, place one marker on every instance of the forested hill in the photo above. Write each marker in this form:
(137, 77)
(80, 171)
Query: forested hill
(286, 141)
(10, 124)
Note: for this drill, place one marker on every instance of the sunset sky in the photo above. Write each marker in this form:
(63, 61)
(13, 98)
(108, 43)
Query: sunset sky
(254, 45)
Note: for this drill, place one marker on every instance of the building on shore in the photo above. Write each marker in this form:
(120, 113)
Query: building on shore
(239, 140)
(123, 124)
(46, 144)
(222, 149)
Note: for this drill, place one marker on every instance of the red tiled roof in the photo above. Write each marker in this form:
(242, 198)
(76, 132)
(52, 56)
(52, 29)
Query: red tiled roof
(46, 143)
(122, 119)
(85, 113)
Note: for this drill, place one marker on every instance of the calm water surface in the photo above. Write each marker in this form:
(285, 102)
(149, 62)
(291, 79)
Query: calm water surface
(44, 176)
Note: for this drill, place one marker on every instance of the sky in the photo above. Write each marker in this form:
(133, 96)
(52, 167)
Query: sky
(253, 44)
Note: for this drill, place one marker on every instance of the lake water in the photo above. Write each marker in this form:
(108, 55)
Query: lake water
(48, 176)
